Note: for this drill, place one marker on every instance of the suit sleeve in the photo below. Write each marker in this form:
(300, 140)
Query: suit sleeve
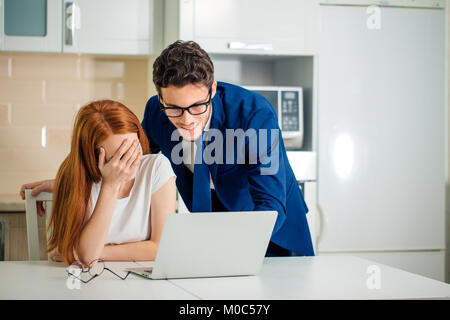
(267, 177)
(154, 147)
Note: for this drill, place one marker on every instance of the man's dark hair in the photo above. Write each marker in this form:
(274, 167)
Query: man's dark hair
(182, 63)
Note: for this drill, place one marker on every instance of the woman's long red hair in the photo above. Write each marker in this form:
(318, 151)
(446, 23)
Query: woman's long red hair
(94, 123)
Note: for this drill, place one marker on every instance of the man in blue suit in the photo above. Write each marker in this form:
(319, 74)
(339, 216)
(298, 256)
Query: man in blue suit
(225, 146)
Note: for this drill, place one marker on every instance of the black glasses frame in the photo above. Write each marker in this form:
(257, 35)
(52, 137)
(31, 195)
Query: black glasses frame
(88, 269)
(188, 109)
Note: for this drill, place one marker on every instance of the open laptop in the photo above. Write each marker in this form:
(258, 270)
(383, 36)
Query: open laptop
(211, 245)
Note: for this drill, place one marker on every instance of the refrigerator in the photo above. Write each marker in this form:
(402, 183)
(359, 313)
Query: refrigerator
(381, 136)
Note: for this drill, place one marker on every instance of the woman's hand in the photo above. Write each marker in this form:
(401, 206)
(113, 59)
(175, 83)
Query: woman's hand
(122, 166)
(55, 256)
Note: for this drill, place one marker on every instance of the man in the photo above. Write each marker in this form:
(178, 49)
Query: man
(190, 101)
(224, 144)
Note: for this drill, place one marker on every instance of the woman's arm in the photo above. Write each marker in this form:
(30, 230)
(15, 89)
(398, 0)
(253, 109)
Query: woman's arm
(122, 166)
(163, 203)
(93, 235)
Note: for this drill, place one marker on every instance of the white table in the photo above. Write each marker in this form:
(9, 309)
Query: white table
(48, 280)
(320, 277)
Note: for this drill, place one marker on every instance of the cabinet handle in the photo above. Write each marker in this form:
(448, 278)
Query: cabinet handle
(72, 22)
(236, 45)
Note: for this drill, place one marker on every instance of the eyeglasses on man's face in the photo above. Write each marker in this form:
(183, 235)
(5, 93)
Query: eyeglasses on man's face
(85, 274)
(173, 111)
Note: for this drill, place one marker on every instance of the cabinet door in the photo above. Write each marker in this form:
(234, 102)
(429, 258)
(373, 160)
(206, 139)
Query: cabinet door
(108, 26)
(254, 26)
(30, 25)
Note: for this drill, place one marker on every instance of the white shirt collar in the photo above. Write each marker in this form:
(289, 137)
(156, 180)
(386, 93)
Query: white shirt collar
(208, 123)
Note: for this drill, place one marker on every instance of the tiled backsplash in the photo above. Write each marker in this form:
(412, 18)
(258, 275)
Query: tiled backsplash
(39, 97)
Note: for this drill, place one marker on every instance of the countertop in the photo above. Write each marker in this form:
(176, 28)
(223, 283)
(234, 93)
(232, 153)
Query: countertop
(11, 203)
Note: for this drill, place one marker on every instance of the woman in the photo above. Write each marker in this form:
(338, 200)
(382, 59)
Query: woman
(111, 197)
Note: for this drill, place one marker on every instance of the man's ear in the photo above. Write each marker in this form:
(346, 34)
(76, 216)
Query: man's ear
(159, 97)
(213, 89)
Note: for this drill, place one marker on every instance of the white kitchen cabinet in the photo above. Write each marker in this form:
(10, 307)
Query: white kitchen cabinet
(30, 25)
(285, 27)
(112, 26)
(128, 27)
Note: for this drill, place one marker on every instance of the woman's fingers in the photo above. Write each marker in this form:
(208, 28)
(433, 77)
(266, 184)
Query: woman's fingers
(121, 151)
(40, 208)
(55, 256)
(28, 186)
(122, 164)
(130, 152)
(38, 189)
(136, 161)
(134, 155)
(101, 158)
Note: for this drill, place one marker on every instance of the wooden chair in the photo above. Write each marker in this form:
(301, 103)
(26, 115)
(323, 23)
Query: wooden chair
(32, 220)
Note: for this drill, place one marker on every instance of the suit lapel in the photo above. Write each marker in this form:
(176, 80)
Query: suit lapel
(183, 182)
(217, 122)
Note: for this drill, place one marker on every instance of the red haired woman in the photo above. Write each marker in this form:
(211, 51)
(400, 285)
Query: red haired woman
(111, 197)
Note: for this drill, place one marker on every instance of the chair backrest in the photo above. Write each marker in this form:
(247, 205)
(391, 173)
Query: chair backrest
(32, 220)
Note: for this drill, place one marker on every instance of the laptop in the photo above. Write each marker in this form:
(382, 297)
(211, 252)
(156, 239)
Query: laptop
(211, 244)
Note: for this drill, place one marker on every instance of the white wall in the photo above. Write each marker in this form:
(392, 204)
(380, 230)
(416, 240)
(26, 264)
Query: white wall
(447, 145)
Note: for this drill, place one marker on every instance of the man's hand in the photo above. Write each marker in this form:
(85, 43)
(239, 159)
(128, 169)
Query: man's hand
(36, 188)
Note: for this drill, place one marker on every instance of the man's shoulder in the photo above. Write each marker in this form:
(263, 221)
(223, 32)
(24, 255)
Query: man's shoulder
(234, 91)
(153, 103)
(153, 111)
(243, 103)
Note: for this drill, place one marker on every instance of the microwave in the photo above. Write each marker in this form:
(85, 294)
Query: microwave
(288, 105)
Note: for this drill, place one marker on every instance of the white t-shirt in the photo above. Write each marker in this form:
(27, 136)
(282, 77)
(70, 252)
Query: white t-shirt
(131, 217)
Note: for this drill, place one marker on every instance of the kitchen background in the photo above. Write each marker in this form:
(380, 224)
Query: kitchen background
(93, 49)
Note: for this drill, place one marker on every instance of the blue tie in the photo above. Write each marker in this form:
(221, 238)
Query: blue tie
(201, 193)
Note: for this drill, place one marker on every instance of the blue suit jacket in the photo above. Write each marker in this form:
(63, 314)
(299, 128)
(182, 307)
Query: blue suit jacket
(242, 187)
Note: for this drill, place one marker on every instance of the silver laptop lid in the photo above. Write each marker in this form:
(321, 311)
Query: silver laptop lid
(213, 244)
